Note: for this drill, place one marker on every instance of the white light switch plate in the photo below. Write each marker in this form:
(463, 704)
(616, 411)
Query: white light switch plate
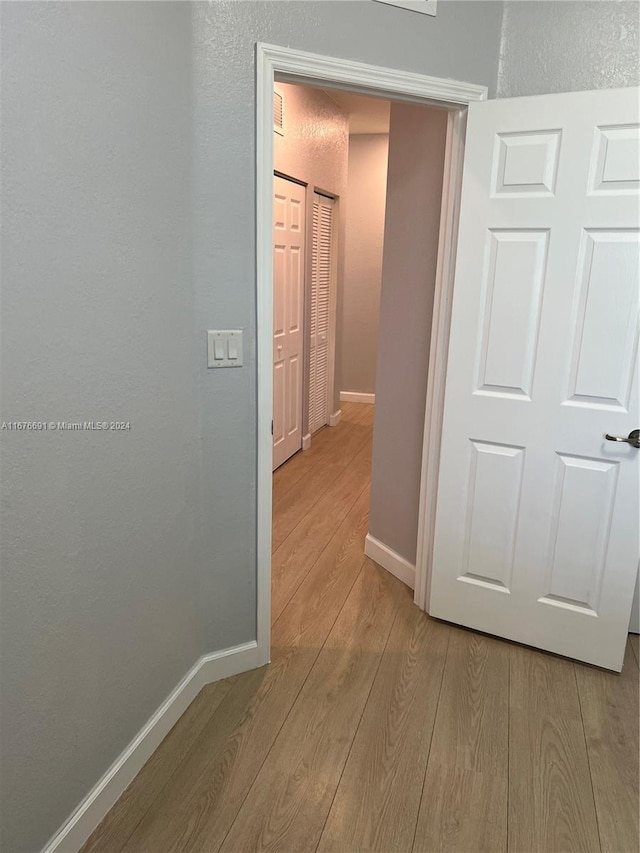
(224, 348)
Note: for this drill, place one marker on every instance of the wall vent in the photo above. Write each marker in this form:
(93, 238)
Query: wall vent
(278, 113)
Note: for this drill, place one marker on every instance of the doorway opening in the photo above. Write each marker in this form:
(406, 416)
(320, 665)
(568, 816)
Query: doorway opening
(353, 301)
(340, 83)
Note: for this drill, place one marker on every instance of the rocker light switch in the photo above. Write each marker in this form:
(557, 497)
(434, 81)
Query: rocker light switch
(224, 348)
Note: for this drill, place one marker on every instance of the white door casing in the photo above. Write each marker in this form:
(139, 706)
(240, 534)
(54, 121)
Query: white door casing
(277, 62)
(536, 533)
(288, 301)
(321, 295)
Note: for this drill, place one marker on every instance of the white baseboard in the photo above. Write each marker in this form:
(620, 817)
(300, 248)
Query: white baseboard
(357, 397)
(306, 441)
(213, 667)
(334, 418)
(390, 560)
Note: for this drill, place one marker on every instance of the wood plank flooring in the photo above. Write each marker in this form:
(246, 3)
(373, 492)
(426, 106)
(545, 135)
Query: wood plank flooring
(376, 728)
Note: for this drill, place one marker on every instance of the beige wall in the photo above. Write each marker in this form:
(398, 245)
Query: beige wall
(366, 191)
(416, 160)
(315, 150)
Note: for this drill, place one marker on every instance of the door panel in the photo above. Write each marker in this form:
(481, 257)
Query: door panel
(537, 520)
(511, 317)
(608, 276)
(288, 295)
(495, 478)
(279, 400)
(584, 488)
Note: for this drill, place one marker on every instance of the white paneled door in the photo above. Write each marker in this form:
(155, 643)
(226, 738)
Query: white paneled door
(538, 513)
(288, 301)
(321, 280)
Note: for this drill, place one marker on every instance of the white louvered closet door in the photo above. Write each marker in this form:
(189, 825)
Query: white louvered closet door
(321, 275)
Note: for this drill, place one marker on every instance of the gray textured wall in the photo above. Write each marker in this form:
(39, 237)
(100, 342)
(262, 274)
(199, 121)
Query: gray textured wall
(566, 46)
(367, 189)
(417, 137)
(99, 550)
(128, 230)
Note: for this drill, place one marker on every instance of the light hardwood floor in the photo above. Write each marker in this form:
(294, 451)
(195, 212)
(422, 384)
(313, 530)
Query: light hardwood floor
(377, 728)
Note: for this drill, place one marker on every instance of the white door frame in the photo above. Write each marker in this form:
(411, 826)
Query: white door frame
(301, 67)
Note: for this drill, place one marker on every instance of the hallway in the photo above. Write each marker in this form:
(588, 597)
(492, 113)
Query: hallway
(376, 727)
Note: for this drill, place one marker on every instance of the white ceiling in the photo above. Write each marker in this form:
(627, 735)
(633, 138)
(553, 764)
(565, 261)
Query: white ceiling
(366, 114)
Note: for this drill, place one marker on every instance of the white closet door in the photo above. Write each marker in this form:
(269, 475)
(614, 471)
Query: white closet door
(322, 265)
(288, 296)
